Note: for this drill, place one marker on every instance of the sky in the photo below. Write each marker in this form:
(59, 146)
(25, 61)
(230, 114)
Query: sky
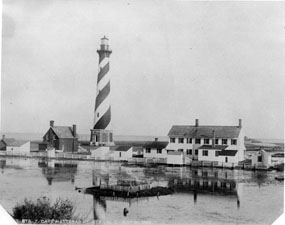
(172, 62)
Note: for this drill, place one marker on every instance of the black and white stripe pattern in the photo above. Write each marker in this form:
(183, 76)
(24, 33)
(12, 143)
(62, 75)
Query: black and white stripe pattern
(102, 117)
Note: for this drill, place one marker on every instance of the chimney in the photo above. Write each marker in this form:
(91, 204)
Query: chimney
(214, 139)
(196, 122)
(51, 123)
(240, 123)
(74, 130)
(156, 139)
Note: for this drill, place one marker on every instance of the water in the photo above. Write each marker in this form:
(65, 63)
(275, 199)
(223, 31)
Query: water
(259, 194)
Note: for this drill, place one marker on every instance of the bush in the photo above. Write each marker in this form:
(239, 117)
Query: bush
(43, 210)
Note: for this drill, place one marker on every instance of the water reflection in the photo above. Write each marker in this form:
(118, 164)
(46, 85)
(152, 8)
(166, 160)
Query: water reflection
(2, 165)
(8, 163)
(129, 185)
(57, 171)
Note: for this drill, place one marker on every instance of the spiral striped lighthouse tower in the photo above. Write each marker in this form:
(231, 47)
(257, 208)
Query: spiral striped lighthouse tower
(101, 135)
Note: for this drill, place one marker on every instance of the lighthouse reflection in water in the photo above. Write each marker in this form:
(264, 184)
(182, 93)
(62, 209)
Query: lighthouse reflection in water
(128, 187)
(165, 194)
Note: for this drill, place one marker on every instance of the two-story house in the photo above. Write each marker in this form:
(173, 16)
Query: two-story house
(207, 143)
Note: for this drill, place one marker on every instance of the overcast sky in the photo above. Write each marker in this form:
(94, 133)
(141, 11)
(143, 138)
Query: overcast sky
(172, 62)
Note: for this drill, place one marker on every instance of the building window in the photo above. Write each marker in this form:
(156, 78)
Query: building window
(180, 150)
(159, 151)
(172, 140)
(206, 141)
(180, 140)
(205, 174)
(120, 154)
(234, 142)
(147, 150)
(189, 140)
(189, 152)
(259, 158)
(216, 141)
(196, 151)
(217, 153)
(224, 141)
(205, 152)
(197, 141)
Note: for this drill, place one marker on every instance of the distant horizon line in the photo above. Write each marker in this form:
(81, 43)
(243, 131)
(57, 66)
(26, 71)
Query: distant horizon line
(125, 135)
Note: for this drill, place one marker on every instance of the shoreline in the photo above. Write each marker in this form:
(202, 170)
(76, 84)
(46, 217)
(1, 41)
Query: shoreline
(200, 164)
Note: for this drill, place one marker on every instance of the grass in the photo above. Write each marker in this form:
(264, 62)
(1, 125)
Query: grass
(42, 209)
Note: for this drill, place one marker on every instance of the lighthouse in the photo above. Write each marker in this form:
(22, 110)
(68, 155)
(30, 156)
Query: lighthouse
(101, 133)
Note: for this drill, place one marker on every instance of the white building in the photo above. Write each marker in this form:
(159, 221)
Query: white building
(155, 150)
(101, 153)
(18, 147)
(122, 153)
(208, 143)
(261, 159)
(175, 158)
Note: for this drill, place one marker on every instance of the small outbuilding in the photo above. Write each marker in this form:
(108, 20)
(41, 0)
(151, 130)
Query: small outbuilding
(122, 153)
(155, 149)
(175, 158)
(18, 147)
(261, 158)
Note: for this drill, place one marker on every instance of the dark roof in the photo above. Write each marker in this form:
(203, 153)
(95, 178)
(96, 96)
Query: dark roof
(228, 152)
(156, 144)
(204, 131)
(122, 148)
(216, 147)
(137, 148)
(63, 131)
(8, 141)
(17, 143)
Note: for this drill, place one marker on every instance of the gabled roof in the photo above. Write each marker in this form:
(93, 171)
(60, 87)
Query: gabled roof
(8, 141)
(137, 148)
(216, 147)
(228, 153)
(204, 131)
(63, 131)
(122, 148)
(155, 144)
(17, 143)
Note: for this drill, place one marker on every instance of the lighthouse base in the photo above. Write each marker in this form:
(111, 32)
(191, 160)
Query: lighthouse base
(101, 137)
